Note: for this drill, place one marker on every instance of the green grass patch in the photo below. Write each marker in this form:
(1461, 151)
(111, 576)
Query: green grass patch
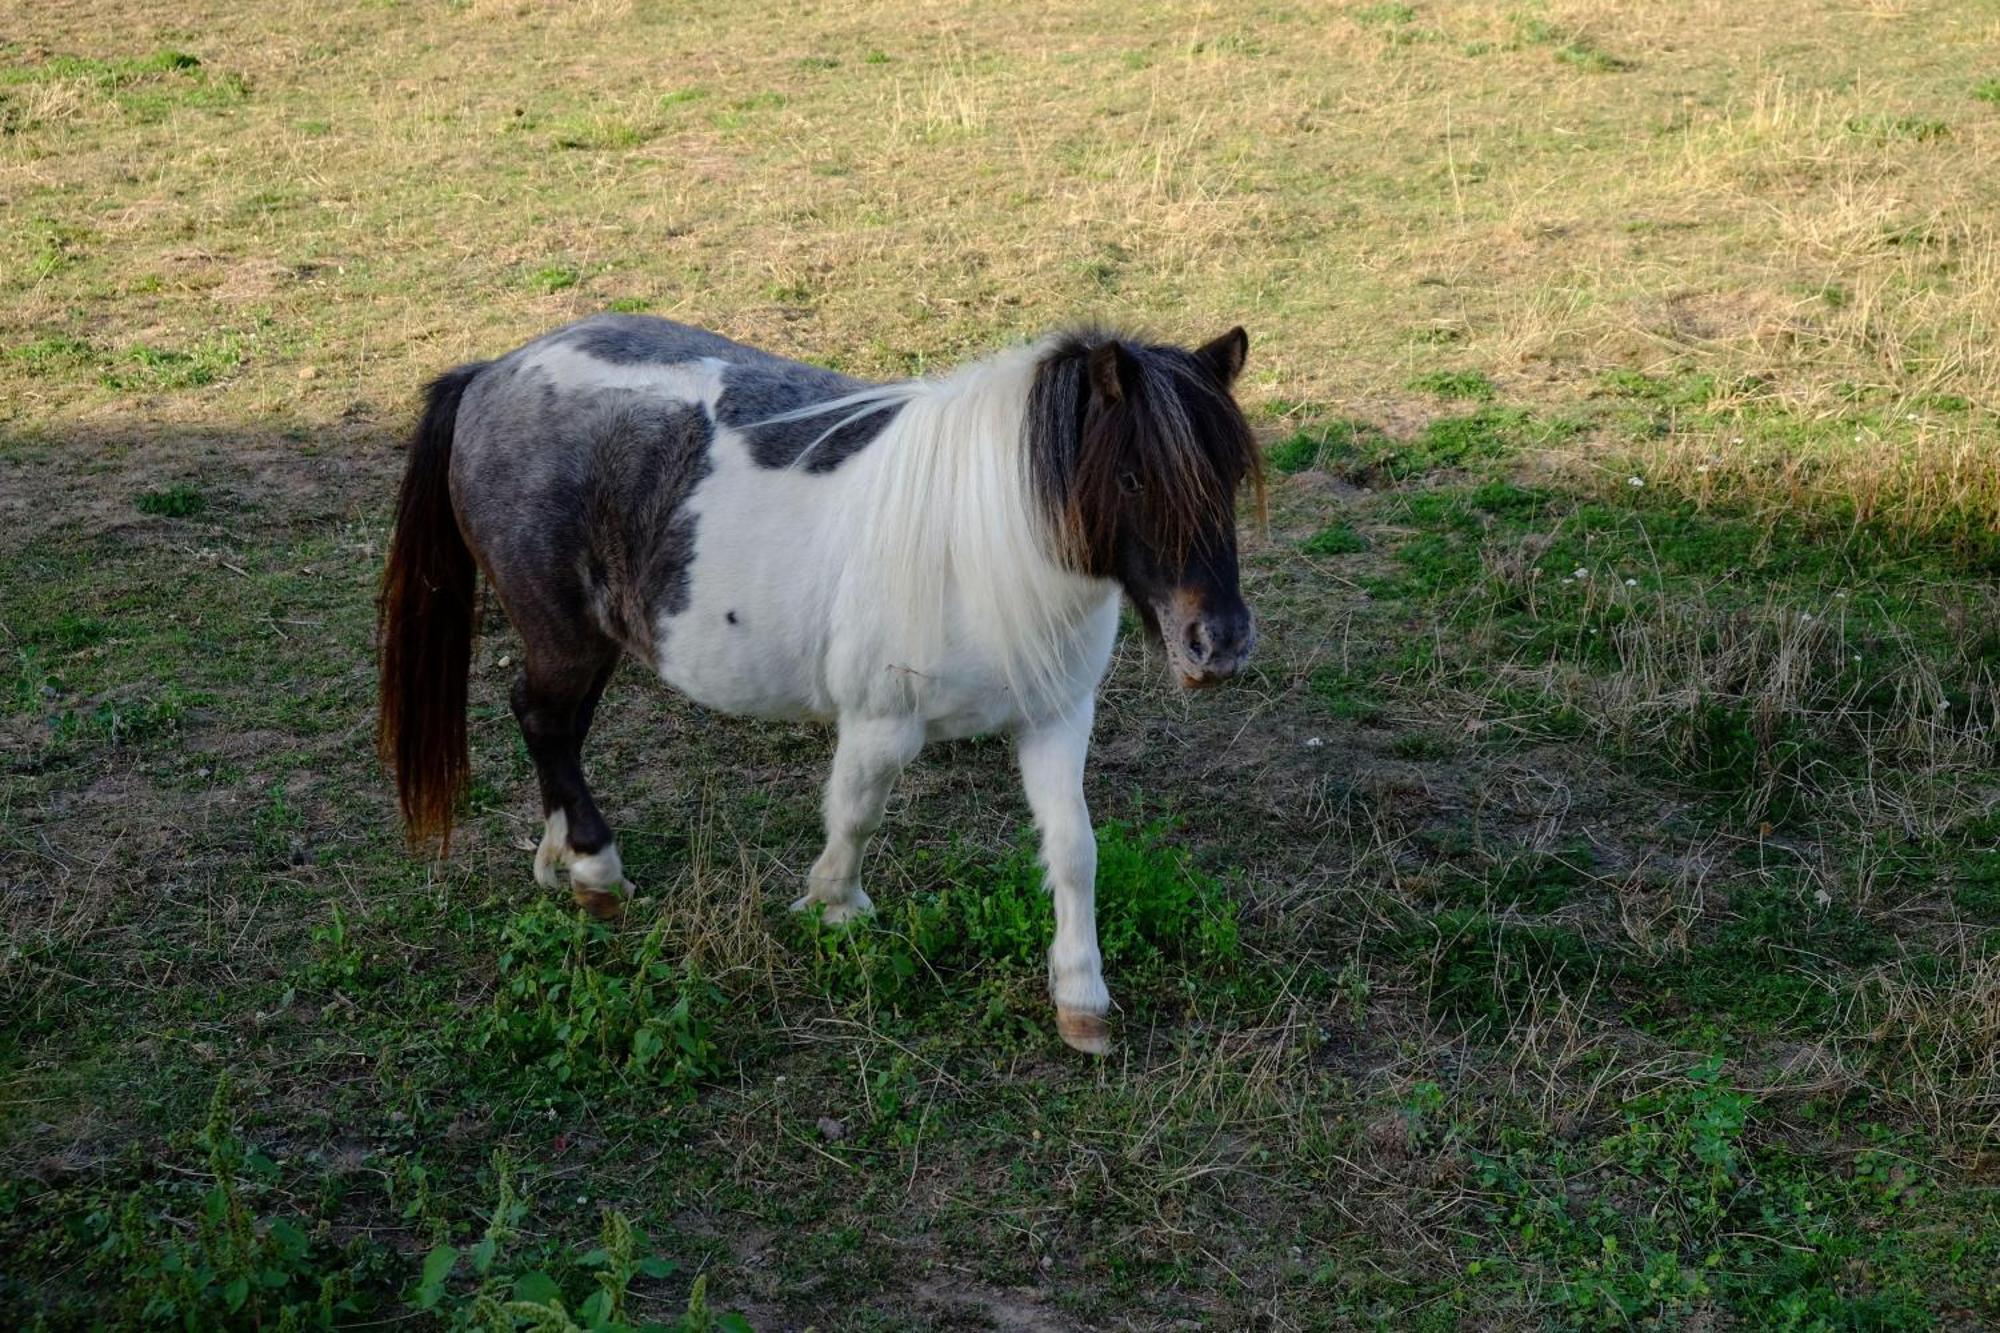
(1779, 1240)
(1385, 15)
(1458, 384)
(177, 501)
(1364, 455)
(1480, 970)
(594, 1010)
(1886, 128)
(599, 134)
(226, 1243)
(149, 86)
(1347, 695)
(552, 278)
(147, 367)
(1779, 961)
(979, 936)
(54, 355)
(1334, 539)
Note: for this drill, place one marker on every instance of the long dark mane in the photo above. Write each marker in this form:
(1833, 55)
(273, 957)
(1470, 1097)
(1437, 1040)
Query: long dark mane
(1172, 443)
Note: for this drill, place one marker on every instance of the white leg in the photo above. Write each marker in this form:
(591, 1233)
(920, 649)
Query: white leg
(1051, 758)
(866, 760)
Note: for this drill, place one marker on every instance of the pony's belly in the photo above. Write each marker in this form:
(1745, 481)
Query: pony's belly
(743, 678)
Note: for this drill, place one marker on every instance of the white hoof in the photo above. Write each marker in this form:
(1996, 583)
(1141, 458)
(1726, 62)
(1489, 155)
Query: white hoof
(851, 908)
(554, 853)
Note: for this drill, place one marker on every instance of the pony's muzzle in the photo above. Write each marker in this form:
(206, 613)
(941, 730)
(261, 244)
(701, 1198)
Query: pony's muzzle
(1212, 646)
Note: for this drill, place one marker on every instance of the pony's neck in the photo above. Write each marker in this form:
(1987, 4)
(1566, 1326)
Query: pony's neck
(963, 550)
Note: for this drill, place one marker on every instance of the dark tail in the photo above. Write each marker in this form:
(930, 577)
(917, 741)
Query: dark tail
(424, 628)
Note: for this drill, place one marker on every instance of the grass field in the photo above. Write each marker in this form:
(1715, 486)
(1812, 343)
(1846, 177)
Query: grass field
(1586, 914)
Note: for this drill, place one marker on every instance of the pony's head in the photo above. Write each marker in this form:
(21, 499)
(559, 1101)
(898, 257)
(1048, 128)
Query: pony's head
(1137, 452)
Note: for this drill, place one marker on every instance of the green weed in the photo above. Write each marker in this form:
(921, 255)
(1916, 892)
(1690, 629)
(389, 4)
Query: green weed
(1886, 128)
(1464, 384)
(1385, 14)
(552, 278)
(144, 367)
(54, 355)
(1334, 539)
(593, 1011)
(177, 501)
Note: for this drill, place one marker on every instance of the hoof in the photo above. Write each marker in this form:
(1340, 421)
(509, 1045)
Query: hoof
(1088, 1033)
(602, 904)
(852, 909)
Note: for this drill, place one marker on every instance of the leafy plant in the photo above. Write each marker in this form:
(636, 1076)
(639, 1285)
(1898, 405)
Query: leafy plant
(1470, 384)
(486, 1289)
(227, 1268)
(582, 1004)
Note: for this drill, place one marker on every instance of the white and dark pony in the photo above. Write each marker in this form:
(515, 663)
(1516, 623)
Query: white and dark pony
(914, 561)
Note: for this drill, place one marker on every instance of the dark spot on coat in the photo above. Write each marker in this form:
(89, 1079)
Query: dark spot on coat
(574, 501)
(751, 394)
(729, 616)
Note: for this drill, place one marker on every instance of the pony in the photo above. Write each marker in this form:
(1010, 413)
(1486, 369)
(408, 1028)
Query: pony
(913, 561)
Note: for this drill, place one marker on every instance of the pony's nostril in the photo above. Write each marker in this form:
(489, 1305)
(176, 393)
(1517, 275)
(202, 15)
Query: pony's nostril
(1199, 642)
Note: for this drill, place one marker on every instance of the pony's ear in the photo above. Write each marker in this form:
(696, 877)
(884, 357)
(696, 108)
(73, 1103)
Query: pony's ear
(1113, 372)
(1225, 356)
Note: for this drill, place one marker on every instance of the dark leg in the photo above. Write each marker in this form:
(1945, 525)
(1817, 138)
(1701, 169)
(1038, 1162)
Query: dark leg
(554, 698)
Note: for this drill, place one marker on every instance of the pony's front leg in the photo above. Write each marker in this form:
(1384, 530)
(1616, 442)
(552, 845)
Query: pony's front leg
(866, 760)
(1051, 758)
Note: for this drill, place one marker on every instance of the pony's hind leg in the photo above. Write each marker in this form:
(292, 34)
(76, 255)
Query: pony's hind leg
(866, 760)
(555, 696)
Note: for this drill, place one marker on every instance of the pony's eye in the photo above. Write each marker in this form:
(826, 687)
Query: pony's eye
(1128, 483)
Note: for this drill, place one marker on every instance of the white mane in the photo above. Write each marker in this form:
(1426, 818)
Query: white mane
(952, 537)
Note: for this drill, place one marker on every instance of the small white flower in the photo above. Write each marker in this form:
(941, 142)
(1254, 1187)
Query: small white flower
(1841, 595)
(1631, 583)
(1822, 897)
(1805, 615)
(1581, 574)
(1701, 467)
(1635, 482)
(583, 1198)
(1314, 742)
(1737, 440)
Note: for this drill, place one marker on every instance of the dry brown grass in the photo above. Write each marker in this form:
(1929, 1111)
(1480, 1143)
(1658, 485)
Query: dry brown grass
(863, 187)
